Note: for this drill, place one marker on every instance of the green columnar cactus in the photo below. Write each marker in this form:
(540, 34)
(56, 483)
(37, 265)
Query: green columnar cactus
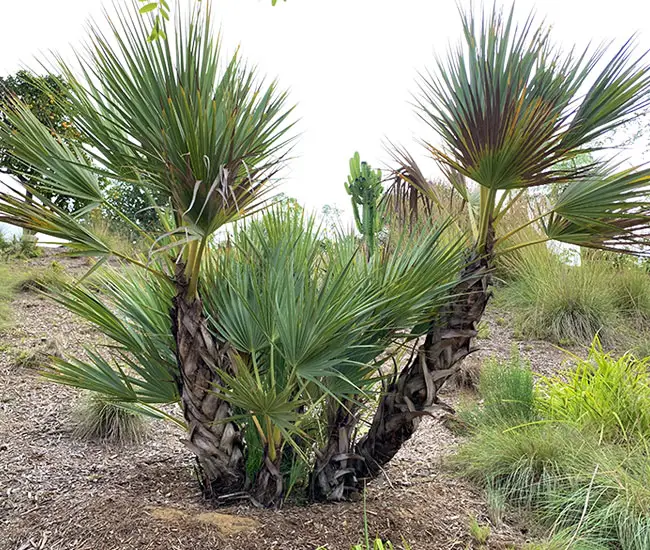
(365, 189)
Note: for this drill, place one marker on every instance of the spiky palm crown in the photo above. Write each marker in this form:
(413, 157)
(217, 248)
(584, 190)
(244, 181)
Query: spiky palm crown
(514, 112)
(167, 116)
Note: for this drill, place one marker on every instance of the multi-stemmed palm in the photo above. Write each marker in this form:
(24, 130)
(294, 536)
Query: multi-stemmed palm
(270, 329)
(274, 337)
(513, 113)
(202, 136)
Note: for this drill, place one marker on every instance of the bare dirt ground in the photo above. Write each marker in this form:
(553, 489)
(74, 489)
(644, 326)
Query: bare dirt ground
(57, 492)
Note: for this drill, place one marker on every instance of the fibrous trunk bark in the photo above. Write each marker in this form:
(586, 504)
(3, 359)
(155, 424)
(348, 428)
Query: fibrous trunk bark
(416, 389)
(334, 474)
(216, 442)
(268, 487)
(414, 392)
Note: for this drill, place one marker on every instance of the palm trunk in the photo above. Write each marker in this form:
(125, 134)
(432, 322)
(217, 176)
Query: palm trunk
(416, 389)
(334, 475)
(268, 488)
(414, 393)
(217, 443)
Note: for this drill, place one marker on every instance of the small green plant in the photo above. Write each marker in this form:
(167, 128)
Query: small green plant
(100, 419)
(368, 544)
(377, 544)
(483, 330)
(28, 359)
(480, 533)
(603, 393)
(19, 248)
(506, 392)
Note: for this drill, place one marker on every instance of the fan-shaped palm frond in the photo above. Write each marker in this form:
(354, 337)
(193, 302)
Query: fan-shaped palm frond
(513, 112)
(307, 322)
(206, 133)
(606, 210)
(169, 117)
(137, 363)
(506, 103)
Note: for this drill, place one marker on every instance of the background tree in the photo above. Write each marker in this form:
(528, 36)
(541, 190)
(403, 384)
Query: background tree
(42, 95)
(45, 96)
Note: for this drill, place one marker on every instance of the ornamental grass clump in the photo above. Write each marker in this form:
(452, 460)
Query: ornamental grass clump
(580, 465)
(566, 304)
(97, 418)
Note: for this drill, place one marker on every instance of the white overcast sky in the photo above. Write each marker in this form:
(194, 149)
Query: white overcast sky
(350, 65)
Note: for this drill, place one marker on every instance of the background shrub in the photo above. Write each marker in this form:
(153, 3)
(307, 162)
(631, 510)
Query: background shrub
(18, 248)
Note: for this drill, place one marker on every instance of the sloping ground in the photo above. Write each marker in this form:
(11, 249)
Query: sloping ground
(57, 492)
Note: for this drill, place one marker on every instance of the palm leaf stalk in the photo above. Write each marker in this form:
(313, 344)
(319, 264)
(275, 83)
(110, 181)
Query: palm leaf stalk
(514, 113)
(170, 117)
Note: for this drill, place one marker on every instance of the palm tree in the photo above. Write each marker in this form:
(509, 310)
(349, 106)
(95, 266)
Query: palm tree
(205, 136)
(514, 113)
(258, 337)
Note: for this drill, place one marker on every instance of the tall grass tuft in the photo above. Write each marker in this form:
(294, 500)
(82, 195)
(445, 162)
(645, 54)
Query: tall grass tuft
(631, 290)
(524, 463)
(506, 392)
(99, 419)
(560, 302)
(565, 540)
